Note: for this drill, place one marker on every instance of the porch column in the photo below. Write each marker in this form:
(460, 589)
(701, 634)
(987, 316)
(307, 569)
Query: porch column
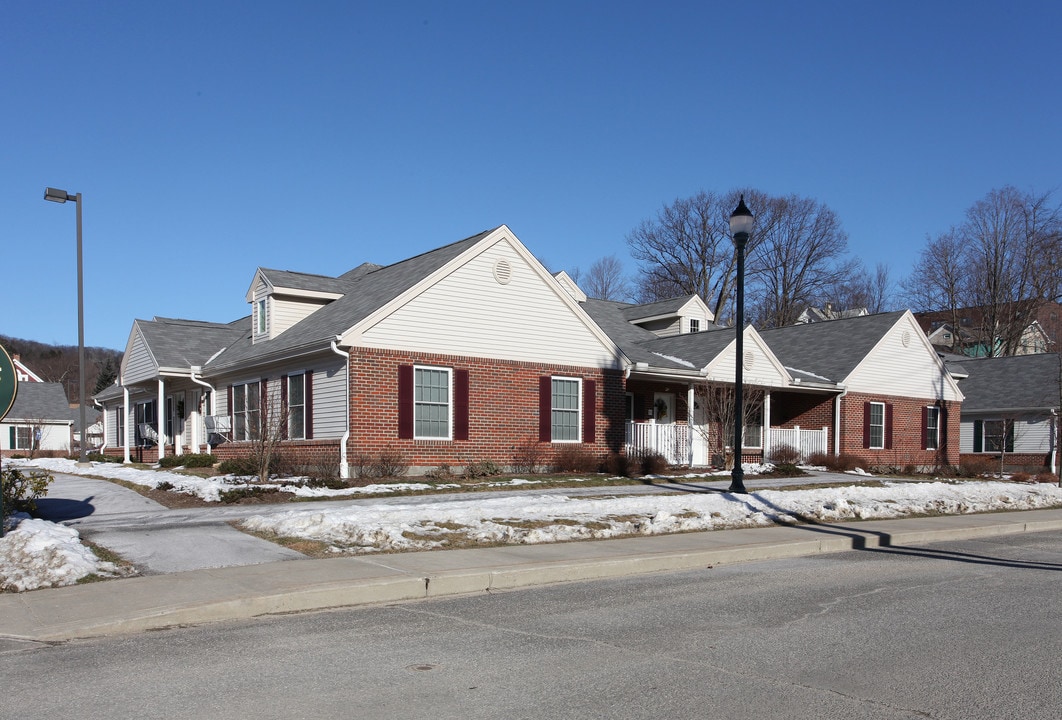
(125, 423)
(766, 425)
(690, 400)
(161, 422)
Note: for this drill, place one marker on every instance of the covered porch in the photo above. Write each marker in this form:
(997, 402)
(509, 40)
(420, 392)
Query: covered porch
(683, 444)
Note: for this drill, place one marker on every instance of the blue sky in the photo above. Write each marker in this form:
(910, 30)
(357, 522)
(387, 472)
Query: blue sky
(211, 138)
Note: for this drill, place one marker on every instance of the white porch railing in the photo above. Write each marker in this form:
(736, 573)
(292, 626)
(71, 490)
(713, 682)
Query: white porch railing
(676, 442)
(668, 439)
(806, 442)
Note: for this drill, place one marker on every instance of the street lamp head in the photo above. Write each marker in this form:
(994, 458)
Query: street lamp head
(57, 195)
(741, 221)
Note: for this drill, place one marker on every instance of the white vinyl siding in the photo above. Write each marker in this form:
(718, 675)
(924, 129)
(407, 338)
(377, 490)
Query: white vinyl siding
(911, 370)
(565, 407)
(470, 313)
(1032, 434)
(287, 311)
(138, 364)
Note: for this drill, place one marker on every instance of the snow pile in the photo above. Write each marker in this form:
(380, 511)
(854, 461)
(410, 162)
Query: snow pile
(40, 554)
(559, 518)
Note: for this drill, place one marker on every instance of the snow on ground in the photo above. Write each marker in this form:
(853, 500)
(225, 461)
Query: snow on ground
(559, 517)
(41, 554)
(38, 554)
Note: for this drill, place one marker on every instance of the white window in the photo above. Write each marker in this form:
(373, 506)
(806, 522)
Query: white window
(261, 316)
(753, 430)
(695, 325)
(432, 401)
(565, 408)
(932, 428)
(877, 425)
(246, 411)
(23, 437)
(998, 436)
(297, 407)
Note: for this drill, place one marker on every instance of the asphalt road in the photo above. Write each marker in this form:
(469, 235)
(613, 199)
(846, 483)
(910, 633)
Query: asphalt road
(952, 631)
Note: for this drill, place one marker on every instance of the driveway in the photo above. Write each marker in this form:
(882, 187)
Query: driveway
(149, 535)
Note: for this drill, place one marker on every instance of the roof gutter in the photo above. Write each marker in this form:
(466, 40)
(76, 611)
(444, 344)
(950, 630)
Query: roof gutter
(344, 469)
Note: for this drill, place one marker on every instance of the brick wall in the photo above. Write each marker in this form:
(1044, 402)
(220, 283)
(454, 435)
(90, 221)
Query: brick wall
(503, 409)
(908, 443)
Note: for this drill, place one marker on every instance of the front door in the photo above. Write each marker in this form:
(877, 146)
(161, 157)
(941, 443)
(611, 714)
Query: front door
(664, 407)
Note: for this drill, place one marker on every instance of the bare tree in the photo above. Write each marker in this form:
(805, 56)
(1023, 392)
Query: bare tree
(799, 257)
(605, 280)
(716, 410)
(863, 289)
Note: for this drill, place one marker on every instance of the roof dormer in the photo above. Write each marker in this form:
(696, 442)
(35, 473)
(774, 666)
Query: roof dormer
(666, 318)
(279, 299)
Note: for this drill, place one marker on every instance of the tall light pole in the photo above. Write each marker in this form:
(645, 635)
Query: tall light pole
(741, 222)
(61, 196)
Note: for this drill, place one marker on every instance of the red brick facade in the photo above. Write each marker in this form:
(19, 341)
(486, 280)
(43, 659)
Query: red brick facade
(905, 443)
(503, 412)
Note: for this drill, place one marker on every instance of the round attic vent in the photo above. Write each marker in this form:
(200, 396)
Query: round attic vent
(503, 272)
(905, 338)
(750, 360)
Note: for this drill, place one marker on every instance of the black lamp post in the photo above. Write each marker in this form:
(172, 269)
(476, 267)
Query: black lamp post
(61, 196)
(741, 222)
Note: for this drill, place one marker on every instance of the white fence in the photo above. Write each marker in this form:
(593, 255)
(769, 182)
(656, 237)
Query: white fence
(676, 442)
(806, 442)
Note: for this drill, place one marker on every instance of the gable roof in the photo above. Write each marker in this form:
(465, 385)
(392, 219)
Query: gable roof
(831, 350)
(176, 343)
(609, 315)
(366, 290)
(40, 401)
(1017, 382)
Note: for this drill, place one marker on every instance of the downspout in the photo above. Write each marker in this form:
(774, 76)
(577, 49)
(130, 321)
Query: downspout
(344, 470)
(125, 423)
(1054, 442)
(837, 422)
(213, 399)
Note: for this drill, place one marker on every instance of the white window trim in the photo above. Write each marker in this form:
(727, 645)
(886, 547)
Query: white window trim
(872, 426)
(302, 379)
(933, 411)
(18, 433)
(449, 403)
(248, 435)
(261, 328)
(578, 414)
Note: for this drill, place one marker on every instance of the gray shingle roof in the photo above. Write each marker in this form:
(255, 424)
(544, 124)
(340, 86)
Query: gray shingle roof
(39, 401)
(654, 309)
(184, 343)
(366, 291)
(306, 281)
(829, 350)
(1011, 383)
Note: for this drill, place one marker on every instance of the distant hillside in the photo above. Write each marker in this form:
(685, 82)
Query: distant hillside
(58, 363)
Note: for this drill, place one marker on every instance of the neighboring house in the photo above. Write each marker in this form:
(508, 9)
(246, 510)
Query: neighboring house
(39, 421)
(25, 375)
(474, 352)
(1011, 411)
(814, 314)
(967, 331)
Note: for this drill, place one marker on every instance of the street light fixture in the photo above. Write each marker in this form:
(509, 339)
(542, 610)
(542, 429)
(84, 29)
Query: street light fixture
(741, 222)
(61, 196)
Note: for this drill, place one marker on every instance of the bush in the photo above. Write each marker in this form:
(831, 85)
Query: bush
(100, 457)
(238, 466)
(1045, 477)
(440, 474)
(619, 464)
(237, 494)
(1021, 477)
(976, 467)
(191, 460)
(484, 468)
(527, 456)
(331, 483)
(784, 455)
(653, 463)
(390, 463)
(574, 458)
(836, 463)
(22, 490)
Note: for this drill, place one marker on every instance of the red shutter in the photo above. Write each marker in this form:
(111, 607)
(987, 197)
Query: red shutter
(284, 406)
(307, 399)
(866, 425)
(589, 411)
(925, 427)
(545, 409)
(405, 402)
(888, 426)
(460, 404)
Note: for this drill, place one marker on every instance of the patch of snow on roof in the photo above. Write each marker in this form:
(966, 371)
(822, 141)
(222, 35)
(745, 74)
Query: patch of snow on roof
(680, 361)
(809, 374)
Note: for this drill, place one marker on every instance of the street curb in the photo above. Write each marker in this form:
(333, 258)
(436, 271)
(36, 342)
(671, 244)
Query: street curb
(241, 593)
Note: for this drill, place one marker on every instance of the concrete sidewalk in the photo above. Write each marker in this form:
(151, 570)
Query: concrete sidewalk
(232, 593)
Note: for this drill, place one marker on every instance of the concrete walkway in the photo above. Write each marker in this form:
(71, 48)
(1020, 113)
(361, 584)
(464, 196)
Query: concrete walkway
(233, 593)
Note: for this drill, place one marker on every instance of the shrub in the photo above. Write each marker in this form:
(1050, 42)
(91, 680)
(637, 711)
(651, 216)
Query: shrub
(165, 485)
(244, 465)
(100, 457)
(574, 458)
(332, 483)
(22, 490)
(237, 494)
(191, 460)
(440, 474)
(784, 455)
(653, 463)
(976, 467)
(527, 456)
(484, 468)
(1045, 477)
(1021, 477)
(619, 464)
(390, 463)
